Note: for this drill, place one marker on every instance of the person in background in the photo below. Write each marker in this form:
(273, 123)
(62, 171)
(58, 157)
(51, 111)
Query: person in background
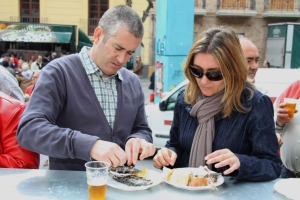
(266, 64)
(12, 155)
(220, 119)
(5, 64)
(111, 125)
(289, 130)
(251, 55)
(29, 89)
(24, 76)
(5, 57)
(9, 85)
(139, 66)
(152, 81)
(37, 65)
(12, 64)
(53, 56)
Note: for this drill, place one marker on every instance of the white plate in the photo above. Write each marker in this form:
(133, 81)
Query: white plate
(288, 187)
(154, 176)
(219, 182)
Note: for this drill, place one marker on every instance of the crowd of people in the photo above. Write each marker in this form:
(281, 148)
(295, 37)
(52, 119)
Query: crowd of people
(220, 120)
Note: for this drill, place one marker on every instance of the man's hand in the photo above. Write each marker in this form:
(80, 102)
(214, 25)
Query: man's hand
(109, 152)
(223, 157)
(282, 115)
(164, 157)
(136, 146)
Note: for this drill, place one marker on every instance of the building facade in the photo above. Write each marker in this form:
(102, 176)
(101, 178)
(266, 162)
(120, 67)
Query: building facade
(84, 14)
(248, 17)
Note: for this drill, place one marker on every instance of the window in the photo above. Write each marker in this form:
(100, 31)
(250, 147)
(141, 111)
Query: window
(287, 5)
(234, 4)
(96, 10)
(30, 11)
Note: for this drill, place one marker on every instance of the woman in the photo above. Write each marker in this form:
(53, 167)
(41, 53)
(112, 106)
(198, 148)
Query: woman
(220, 120)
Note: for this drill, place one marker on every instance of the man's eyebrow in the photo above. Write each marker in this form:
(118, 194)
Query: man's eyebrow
(251, 58)
(122, 48)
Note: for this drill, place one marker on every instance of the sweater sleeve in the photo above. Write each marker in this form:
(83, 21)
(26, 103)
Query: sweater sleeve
(38, 129)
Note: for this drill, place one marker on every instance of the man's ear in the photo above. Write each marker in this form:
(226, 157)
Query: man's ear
(98, 34)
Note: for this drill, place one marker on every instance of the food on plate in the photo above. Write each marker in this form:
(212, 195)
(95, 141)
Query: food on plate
(197, 181)
(194, 177)
(130, 176)
(124, 170)
(178, 177)
(132, 180)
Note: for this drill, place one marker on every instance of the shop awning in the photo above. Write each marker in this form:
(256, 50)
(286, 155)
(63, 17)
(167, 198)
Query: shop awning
(37, 33)
(83, 40)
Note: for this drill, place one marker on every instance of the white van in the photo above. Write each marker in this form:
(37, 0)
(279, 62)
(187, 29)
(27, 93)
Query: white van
(270, 81)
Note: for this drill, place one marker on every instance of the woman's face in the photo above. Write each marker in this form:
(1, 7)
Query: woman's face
(207, 63)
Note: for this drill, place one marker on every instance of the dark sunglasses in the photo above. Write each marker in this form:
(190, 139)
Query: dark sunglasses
(210, 75)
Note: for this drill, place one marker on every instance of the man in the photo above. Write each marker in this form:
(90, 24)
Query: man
(37, 65)
(251, 55)
(289, 129)
(139, 66)
(87, 105)
(29, 89)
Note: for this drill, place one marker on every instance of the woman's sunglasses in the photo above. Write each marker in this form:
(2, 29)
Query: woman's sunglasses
(210, 75)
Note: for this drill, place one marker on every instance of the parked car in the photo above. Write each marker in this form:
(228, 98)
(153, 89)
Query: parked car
(271, 82)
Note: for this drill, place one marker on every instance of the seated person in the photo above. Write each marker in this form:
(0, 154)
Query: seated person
(11, 154)
(220, 119)
(289, 129)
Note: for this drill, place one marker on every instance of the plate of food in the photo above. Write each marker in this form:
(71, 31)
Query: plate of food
(132, 179)
(192, 178)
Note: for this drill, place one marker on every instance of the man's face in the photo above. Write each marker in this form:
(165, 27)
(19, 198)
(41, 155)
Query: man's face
(251, 55)
(112, 54)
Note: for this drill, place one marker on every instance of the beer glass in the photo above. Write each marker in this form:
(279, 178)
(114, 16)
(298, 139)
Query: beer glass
(290, 106)
(96, 173)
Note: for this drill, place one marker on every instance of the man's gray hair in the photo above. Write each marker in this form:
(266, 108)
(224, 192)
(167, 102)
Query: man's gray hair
(121, 15)
(243, 38)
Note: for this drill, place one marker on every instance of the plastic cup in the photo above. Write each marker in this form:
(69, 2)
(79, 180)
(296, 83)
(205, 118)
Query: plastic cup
(290, 105)
(96, 173)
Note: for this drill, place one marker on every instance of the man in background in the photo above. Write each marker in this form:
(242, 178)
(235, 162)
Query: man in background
(251, 55)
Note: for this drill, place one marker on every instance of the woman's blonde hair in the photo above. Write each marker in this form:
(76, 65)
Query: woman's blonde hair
(225, 47)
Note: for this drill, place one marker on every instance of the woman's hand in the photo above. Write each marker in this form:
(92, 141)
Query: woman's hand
(224, 157)
(164, 157)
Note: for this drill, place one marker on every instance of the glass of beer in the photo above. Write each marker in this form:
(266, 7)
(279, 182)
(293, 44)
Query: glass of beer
(290, 105)
(96, 173)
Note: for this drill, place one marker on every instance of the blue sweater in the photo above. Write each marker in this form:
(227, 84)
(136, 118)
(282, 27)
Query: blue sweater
(251, 136)
(63, 118)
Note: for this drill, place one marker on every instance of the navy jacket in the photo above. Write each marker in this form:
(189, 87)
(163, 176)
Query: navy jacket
(251, 136)
(63, 118)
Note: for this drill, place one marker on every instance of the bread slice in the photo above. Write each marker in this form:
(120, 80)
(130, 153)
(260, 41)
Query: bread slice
(196, 181)
(180, 177)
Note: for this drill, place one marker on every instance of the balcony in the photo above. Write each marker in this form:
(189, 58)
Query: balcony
(243, 8)
(200, 7)
(282, 8)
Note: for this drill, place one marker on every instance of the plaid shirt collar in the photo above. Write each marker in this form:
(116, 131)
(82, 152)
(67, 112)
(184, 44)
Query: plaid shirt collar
(89, 65)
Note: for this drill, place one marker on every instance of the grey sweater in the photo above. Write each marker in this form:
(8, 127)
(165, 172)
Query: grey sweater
(63, 118)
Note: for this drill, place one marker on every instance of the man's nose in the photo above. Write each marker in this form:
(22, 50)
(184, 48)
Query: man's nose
(122, 58)
(254, 65)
